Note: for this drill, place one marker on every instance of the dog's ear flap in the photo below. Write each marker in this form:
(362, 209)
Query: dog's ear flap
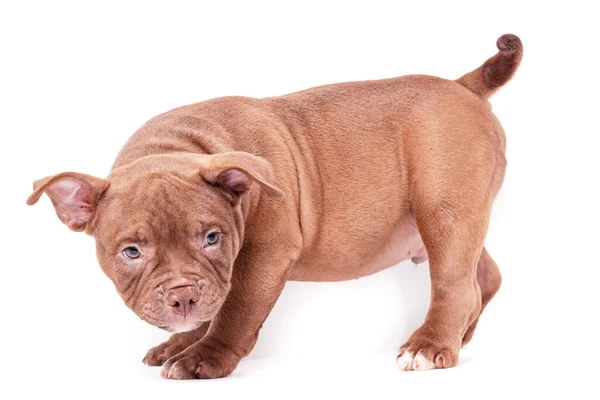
(235, 172)
(75, 196)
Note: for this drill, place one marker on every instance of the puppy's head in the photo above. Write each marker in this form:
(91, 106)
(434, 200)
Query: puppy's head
(167, 227)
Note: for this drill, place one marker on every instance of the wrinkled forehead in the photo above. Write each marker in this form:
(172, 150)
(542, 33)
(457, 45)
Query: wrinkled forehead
(159, 206)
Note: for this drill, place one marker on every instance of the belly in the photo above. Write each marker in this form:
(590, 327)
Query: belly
(403, 244)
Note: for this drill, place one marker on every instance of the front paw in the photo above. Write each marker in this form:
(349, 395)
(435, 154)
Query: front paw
(177, 343)
(202, 360)
(157, 355)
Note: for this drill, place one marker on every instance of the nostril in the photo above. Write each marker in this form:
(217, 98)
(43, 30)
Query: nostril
(182, 299)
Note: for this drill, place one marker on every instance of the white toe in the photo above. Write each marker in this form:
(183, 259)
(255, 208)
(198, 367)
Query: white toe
(421, 363)
(405, 361)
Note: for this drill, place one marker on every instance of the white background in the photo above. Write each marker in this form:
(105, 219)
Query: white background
(76, 80)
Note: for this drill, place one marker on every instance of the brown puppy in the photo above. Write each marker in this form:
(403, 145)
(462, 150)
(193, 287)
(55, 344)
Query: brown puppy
(211, 207)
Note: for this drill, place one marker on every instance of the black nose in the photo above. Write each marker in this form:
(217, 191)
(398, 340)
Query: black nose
(181, 299)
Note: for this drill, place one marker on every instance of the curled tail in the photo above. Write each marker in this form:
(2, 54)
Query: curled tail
(496, 71)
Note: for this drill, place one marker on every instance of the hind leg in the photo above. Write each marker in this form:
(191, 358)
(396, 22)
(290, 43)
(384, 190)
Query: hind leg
(489, 280)
(453, 235)
(451, 196)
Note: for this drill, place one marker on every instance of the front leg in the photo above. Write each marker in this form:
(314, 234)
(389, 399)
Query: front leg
(259, 275)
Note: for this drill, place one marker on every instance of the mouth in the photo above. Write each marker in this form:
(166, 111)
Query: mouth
(182, 308)
(176, 324)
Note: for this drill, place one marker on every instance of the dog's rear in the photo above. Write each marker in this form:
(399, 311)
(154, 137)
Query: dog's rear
(496, 71)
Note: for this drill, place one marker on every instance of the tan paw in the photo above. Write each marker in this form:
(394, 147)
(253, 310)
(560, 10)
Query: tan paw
(177, 343)
(200, 361)
(157, 356)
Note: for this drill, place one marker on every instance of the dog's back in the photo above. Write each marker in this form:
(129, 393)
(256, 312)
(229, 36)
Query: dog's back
(383, 138)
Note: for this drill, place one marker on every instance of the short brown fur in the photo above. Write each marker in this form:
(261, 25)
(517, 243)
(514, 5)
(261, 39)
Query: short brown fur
(227, 199)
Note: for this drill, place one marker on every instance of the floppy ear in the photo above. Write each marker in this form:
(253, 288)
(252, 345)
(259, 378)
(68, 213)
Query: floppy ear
(235, 172)
(74, 196)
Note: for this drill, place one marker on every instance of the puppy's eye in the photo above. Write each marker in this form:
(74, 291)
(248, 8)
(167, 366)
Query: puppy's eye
(212, 238)
(131, 252)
